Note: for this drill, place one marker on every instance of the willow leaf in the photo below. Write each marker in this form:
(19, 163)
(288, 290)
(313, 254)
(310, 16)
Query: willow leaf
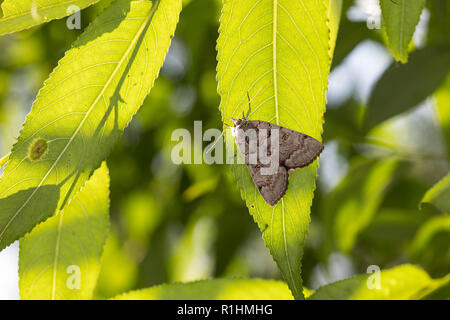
(217, 289)
(334, 18)
(23, 14)
(438, 290)
(399, 283)
(82, 109)
(400, 19)
(60, 258)
(352, 205)
(439, 195)
(430, 247)
(442, 97)
(402, 87)
(278, 52)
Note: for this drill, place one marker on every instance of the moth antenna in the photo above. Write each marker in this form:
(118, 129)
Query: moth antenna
(249, 107)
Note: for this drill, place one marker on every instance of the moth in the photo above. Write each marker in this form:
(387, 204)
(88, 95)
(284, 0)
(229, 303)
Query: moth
(294, 150)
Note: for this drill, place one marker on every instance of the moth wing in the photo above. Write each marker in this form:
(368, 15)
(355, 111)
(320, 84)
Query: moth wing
(297, 149)
(271, 187)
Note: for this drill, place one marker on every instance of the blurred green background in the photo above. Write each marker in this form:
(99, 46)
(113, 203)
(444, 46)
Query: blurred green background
(181, 223)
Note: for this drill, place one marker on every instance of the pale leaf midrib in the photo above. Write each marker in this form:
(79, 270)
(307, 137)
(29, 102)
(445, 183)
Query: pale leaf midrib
(274, 52)
(275, 85)
(124, 57)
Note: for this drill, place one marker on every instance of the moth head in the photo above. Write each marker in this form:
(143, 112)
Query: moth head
(236, 122)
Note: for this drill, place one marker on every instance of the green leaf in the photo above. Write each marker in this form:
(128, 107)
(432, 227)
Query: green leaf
(278, 52)
(216, 289)
(397, 227)
(353, 204)
(439, 195)
(402, 282)
(350, 35)
(334, 18)
(442, 97)
(23, 14)
(60, 258)
(119, 271)
(439, 24)
(439, 290)
(403, 87)
(82, 109)
(4, 159)
(400, 20)
(431, 245)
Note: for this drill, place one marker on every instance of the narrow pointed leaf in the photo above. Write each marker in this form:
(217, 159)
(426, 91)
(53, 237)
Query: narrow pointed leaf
(23, 14)
(217, 289)
(443, 111)
(439, 195)
(400, 19)
(334, 16)
(439, 290)
(60, 258)
(353, 204)
(82, 109)
(430, 247)
(278, 52)
(399, 283)
(402, 87)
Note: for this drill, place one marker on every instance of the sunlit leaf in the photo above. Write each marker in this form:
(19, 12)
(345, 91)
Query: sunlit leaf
(191, 259)
(403, 87)
(442, 97)
(119, 271)
(278, 52)
(439, 195)
(439, 290)
(402, 282)
(352, 205)
(334, 15)
(431, 245)
(82, 109)
(23, 14)
(217, 289)
(400, 20)
(60, 258)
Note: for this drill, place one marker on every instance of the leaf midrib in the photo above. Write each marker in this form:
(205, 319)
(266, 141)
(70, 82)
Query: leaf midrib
(274, 52)
(110, 79)
(275, 85)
